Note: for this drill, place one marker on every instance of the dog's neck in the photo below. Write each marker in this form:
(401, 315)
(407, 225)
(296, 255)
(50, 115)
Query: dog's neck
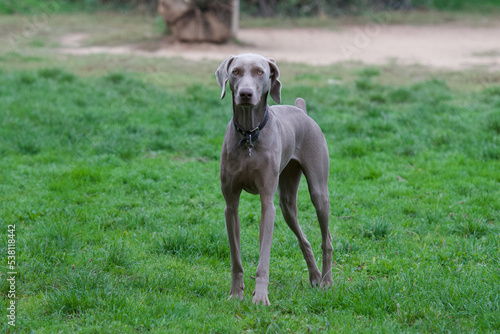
(249, 117)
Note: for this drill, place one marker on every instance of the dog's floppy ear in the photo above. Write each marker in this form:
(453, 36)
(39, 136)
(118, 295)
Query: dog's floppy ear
(275, 83)
(222, 74)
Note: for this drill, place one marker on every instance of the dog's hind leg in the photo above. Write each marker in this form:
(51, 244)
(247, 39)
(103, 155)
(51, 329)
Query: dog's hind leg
(288, 187)
(317, 180)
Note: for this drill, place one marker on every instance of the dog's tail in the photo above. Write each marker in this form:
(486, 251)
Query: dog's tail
(301, 104)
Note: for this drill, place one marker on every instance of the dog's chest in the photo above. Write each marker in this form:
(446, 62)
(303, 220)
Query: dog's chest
(249, 173)
(249, 176)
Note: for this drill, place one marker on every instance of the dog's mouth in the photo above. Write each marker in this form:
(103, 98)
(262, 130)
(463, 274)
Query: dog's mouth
(245, 104)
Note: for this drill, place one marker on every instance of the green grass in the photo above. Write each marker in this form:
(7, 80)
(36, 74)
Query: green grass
(111, 178)
(112, 183)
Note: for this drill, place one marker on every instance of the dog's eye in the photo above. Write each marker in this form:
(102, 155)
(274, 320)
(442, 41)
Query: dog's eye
(236, 72)
(259, 72)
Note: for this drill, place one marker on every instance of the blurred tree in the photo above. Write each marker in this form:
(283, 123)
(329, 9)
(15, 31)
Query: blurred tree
(267, 8)
(199, 20)
(291, 8)
(295, 8)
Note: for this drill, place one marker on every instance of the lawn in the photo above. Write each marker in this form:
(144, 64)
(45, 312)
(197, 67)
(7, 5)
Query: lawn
(110, 177)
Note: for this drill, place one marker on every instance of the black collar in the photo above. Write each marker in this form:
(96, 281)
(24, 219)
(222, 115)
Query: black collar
(252, 135)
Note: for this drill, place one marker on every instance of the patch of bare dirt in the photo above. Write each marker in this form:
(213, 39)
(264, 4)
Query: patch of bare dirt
(73, 40)
(441, 46)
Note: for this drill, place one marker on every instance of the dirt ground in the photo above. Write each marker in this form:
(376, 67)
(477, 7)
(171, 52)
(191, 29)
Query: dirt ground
(441, 46)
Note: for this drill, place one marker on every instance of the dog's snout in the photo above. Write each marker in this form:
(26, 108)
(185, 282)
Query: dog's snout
(246, 94)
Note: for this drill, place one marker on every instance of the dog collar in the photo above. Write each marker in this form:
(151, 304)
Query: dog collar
(251, 136)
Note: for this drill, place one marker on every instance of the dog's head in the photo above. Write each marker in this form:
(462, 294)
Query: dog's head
(250, 77)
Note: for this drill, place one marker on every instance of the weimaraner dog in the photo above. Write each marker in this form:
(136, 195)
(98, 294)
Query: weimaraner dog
(268, 148)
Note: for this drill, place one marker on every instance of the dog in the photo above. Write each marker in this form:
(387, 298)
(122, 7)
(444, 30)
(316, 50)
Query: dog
(265, 149)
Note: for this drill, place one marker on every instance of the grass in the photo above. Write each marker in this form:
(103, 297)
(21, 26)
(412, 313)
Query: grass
(476, 18)
(111, 178)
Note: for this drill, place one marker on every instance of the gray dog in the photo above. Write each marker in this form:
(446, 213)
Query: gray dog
(268, 148)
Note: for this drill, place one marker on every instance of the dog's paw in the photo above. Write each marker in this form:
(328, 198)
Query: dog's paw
(315, 278)
(237, 293)
(260, 297)
(326, 284)
(234, 296)
(327, 280)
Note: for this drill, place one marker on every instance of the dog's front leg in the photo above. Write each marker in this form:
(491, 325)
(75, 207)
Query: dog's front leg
(233, 233)
(265, 237)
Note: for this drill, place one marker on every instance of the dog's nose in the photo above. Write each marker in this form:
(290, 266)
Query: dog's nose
(246, 94)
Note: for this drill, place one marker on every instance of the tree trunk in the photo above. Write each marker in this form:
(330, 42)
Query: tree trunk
(199, 20)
